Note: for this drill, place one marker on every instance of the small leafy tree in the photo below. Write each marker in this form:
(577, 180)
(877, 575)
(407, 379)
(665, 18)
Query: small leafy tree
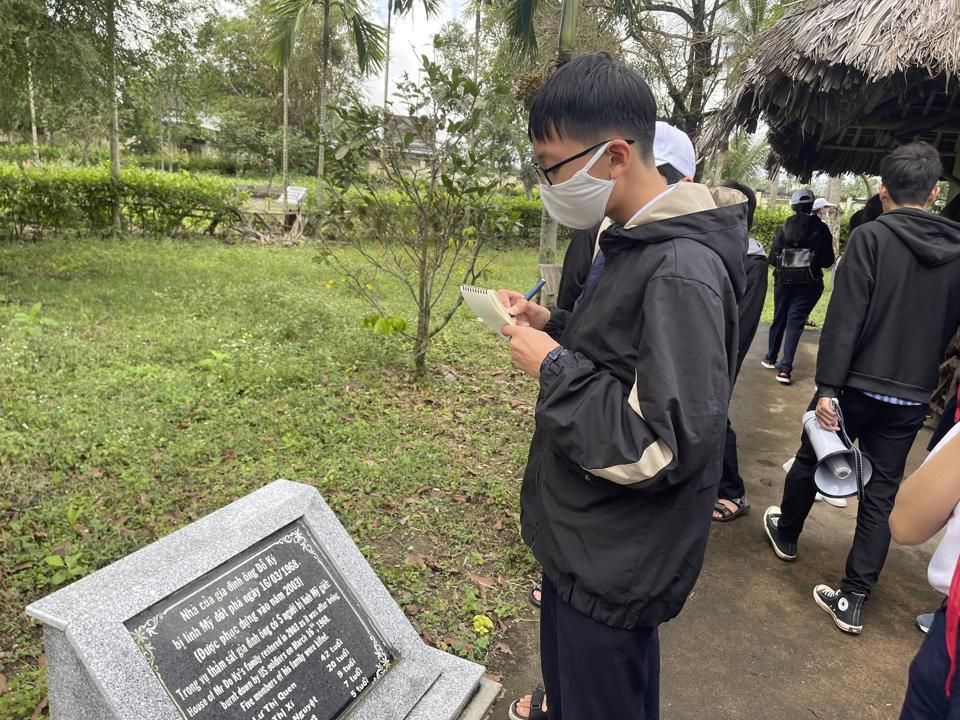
(421, 217)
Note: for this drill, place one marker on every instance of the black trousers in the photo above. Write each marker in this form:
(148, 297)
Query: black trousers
(926, 697)
(592, 670)
(731, 483)
(886, 433)
(791, 308)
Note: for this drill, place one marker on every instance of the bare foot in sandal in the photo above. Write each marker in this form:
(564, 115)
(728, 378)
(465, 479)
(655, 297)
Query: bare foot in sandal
(530, 707)
(536, 594)
(725, 510)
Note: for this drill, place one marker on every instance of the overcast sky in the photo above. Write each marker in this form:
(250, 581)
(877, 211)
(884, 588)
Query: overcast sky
(411, 37)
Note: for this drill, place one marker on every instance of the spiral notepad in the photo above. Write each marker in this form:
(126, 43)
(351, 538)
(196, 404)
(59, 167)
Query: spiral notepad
(487, 306)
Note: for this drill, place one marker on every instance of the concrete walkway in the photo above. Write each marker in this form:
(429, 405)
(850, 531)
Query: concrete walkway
(750, 643)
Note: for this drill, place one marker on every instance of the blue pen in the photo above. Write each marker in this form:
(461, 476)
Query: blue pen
(536, 288)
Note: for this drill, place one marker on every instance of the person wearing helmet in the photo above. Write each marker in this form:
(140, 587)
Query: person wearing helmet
(802, 248)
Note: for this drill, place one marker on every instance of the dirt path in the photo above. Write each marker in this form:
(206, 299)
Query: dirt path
(750, 643)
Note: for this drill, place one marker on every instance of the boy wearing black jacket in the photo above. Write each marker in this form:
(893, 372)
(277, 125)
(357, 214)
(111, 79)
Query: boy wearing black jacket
(634, 385)
(894, 308)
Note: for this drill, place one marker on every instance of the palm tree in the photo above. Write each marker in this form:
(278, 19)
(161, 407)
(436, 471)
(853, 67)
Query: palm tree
(477, 7)
(401, 8)
(368, 39)
(520, 26)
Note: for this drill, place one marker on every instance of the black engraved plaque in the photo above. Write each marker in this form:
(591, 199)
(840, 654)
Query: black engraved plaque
(272, 634)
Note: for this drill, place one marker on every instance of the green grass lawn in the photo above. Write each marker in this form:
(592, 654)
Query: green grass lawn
(161, 380)
(818, 312)
(182, 375)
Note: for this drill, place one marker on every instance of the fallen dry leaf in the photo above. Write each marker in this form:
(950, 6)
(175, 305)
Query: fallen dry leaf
(38, 710)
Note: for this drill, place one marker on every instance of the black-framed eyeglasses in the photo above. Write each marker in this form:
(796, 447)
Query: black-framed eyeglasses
(544, 173)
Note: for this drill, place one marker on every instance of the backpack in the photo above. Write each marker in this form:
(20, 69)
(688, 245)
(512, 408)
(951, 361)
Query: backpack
(795, 264)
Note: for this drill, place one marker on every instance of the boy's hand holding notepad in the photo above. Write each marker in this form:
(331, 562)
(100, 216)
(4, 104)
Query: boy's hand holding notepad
(487, 306)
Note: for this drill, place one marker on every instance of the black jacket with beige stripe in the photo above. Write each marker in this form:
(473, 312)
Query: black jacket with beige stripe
(622, 472)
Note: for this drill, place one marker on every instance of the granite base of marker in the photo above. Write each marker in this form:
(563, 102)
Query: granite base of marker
(483, 700)
(103, 663)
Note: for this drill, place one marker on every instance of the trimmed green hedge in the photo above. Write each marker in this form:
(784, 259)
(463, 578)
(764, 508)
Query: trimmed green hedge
(60, 197)
(10, 153)
(766, 222)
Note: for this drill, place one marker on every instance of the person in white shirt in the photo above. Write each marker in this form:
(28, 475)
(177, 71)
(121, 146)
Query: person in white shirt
(929, 500)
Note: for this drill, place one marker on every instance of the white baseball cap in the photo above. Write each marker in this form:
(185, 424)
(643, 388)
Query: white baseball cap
(671, 145)
(821, 203)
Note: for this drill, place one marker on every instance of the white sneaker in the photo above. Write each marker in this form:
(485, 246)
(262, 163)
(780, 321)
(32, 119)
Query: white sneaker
(836, 502)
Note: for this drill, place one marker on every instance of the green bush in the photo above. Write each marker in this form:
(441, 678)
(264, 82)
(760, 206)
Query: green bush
(766, 222)
(182, 161)
(58, 197)
(19, 154)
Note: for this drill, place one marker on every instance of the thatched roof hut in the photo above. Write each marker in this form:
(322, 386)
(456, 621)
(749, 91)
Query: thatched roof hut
(841, 82)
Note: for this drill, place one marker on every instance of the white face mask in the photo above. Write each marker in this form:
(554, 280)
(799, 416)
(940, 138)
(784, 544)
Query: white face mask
(581, 201)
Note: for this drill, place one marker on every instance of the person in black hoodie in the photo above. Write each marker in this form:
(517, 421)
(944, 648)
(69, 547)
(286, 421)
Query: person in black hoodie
(732, 494)
(801, 250)
(894, 308)
(634, 385)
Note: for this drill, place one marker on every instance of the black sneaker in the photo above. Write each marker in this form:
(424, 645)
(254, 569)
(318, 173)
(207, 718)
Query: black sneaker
(784, 378)
(769, 365)
(844, 607)
(784, 550)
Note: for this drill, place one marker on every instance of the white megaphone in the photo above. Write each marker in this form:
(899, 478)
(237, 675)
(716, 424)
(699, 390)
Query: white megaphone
(836, 473)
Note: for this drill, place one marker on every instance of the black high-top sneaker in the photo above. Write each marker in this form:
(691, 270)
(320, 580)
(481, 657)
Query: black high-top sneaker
(784, 550)
(846, 608)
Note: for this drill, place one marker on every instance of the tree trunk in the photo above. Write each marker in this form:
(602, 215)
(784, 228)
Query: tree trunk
(111, 67)
(33, 107)
(548, 226)
(700, 52)
(834, 189)
(867, 185)
(569, 12)
(774, 186)
(286, 130)
(324, 66)
(422, 341)
(476, 44)
(386, 62)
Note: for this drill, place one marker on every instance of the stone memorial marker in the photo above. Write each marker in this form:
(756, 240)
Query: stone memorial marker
(262, 610)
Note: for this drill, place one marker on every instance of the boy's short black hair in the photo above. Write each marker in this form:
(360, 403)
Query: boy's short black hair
(911, 172)
(751, 199)
(592, 97)
(669, 173)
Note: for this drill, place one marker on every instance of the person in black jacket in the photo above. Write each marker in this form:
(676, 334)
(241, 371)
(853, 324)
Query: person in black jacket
(732, 494)
(623, 466)
(895, 307)
(802, 248)
(675, 158)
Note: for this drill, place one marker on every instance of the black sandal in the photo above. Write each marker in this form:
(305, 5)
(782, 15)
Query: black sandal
(536, 705)
(726, 514)
(538, 588)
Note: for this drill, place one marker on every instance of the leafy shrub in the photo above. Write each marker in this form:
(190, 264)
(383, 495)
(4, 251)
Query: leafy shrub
(66, 197)
(18, 154)
(766, 222)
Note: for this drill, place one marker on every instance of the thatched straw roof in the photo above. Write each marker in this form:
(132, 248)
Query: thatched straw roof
(841, 82)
